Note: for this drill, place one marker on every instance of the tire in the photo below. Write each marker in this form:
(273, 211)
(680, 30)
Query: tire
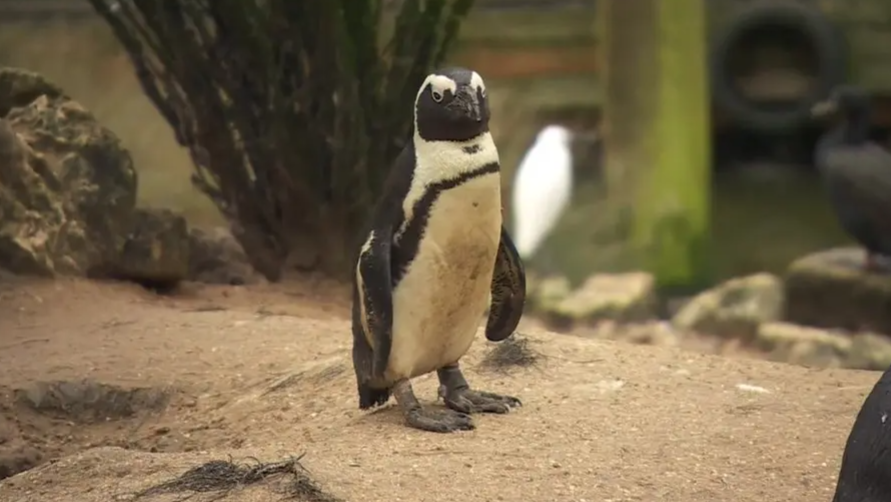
(825, 39)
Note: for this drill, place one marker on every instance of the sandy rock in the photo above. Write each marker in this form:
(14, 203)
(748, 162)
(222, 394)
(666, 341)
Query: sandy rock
(735, 308)
(869, 351)
(658, 333)
(548, 292)
(829, 289)
(803, 345)
(157, 249)
(811, 346)
(217, 258)
(618, 297)
(67, 186)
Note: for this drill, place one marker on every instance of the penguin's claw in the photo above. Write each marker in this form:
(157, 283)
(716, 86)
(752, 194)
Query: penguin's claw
(473, 401)
(443, 421)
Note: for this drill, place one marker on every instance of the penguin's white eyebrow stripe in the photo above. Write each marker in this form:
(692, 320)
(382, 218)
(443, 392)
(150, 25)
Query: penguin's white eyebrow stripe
(476, 81)
(441, 83)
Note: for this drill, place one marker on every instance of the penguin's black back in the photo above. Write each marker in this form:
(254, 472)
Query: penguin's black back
(865, 474)
(387, 210)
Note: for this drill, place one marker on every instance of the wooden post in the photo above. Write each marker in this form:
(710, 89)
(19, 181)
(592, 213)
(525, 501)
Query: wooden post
(657, 132)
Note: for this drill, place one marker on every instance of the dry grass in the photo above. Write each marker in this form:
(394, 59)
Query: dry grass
(514, 352)
(219, 477)
(84, 59)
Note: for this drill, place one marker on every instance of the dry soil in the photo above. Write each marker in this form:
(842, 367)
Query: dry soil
(264, 372)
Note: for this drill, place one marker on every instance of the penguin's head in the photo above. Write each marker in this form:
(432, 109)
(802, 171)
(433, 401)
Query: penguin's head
(452, 105)
(555, 134)
(847, 100)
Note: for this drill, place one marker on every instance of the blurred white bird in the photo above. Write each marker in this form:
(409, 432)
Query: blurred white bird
(541, 189)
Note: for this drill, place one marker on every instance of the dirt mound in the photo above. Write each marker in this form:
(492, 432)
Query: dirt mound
(601, 420)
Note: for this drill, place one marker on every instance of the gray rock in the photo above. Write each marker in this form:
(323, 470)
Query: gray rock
(67, 186)
(831, 290)
(156, 251)
(733, 309)
(217, 258)
(625, 297)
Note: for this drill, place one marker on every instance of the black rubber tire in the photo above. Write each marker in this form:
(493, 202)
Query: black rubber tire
(825, 38)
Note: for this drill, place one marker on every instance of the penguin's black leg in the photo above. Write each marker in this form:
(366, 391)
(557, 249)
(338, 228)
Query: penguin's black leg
(426, 419)
(459, 397)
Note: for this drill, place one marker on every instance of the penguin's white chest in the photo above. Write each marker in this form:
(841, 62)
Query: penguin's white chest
(440, 301)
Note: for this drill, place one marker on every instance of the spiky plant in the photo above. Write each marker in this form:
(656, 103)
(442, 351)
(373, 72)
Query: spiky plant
(292, 110)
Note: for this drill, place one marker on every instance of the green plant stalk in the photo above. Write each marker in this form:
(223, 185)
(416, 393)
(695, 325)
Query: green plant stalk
(673, 200)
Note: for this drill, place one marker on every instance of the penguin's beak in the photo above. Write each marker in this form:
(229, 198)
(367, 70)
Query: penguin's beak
(467, 104)
(824, 108)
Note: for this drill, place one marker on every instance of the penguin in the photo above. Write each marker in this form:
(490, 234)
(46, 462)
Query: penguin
(856, 172)
(435, 258)
(866, 461)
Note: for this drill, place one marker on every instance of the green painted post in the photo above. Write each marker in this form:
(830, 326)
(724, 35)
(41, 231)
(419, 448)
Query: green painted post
(674, 203)
(657, 132)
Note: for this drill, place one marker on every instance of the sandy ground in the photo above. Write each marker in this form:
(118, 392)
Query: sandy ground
(264, 373)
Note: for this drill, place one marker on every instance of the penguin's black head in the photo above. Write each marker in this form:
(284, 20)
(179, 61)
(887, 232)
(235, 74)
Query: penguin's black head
(452, 106)
(847, 100)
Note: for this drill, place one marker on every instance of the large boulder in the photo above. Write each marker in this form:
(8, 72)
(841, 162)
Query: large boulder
(67, 186)
(830, 289)
(733, 309)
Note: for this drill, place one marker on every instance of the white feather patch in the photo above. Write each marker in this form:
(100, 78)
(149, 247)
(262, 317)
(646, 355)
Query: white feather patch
(360, 286)
(437, 161)
(476, 81)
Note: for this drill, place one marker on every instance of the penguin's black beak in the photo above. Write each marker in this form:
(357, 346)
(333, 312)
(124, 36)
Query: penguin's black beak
(467, 104)
(824, 108)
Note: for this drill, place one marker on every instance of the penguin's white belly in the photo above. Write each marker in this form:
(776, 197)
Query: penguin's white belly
(440, 301)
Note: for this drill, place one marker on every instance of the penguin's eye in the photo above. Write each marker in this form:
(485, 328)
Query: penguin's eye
(437, 96)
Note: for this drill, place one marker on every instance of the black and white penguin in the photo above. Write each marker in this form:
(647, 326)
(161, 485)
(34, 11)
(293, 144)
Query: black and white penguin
(865, 473)
(435, 256)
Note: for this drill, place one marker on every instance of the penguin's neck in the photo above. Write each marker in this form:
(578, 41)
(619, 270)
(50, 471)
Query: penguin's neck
(855, 128)
(437, 161)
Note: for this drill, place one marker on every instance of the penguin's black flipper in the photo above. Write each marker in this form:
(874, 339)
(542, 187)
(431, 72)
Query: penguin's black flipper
(508, 291)
(375, 295)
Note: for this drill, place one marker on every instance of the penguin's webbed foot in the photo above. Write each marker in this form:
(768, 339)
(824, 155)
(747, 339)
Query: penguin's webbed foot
(460, 397)
(438, 420)
(475, 401)
(426, 419)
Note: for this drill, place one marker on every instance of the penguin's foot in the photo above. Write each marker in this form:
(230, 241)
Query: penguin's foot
(426, 419)
(438, 420)
(475, 401)
(460, 397)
